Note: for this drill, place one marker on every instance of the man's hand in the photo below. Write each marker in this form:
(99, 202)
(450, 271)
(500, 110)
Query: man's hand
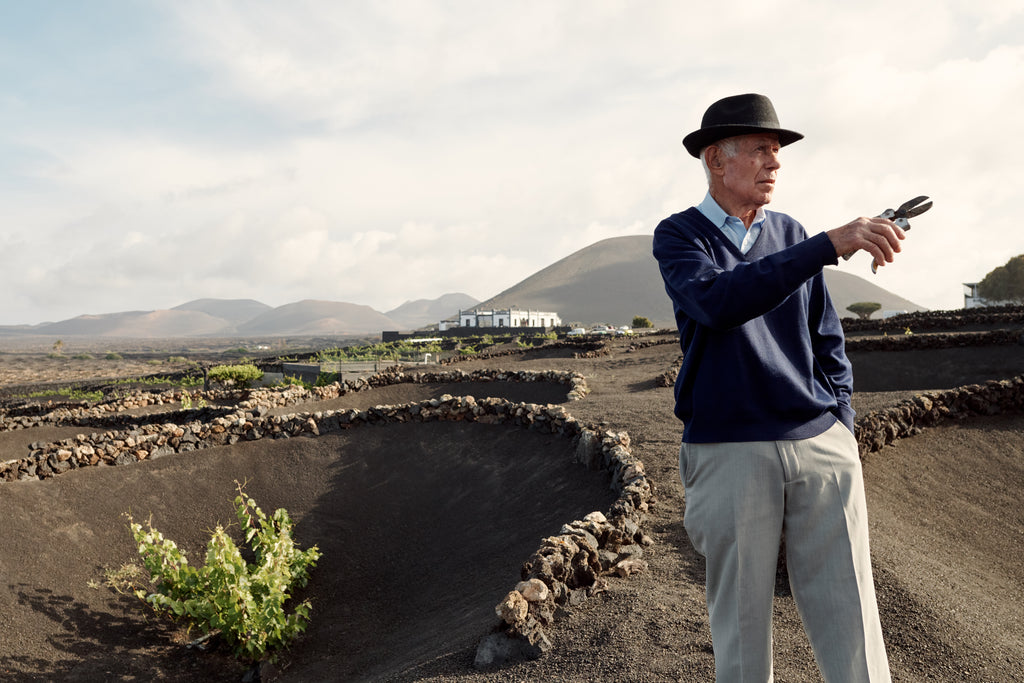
(878, 236)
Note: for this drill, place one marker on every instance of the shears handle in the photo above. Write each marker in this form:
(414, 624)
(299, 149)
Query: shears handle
(902, 223)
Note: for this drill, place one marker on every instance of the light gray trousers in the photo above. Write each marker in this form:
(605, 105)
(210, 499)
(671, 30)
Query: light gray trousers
(740, 497)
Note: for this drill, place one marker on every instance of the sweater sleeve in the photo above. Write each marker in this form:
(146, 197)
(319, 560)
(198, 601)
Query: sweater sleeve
(723, 299)
(829, 345)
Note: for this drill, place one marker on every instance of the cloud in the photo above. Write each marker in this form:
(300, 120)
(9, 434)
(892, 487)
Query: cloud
(386, 151)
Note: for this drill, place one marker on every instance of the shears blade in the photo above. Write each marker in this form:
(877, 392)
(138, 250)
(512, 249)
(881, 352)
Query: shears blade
(914, 207)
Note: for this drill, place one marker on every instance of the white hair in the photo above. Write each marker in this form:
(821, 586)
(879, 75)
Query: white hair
(730, 147)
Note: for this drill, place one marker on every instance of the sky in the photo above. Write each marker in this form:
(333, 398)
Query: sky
(152, 153)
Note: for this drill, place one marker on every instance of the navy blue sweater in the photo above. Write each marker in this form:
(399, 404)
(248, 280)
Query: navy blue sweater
(763, 348)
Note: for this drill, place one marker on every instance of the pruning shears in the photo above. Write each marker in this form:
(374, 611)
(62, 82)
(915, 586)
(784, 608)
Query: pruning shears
(901, 216)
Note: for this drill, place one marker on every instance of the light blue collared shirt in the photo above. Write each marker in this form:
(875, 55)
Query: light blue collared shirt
(731, 226)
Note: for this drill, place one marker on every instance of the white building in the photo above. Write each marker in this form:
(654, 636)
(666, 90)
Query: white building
(974, 300)
(508, 317)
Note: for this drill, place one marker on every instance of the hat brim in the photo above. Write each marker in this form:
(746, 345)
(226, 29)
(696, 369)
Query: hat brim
(699, 139)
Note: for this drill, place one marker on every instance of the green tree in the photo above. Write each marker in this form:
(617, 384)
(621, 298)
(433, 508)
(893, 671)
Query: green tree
(864, 309)
(640, 322)
(1005, 283)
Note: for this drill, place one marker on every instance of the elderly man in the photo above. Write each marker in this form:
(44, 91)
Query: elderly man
(764, 395)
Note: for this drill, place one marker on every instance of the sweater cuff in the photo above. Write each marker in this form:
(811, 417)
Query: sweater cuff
(827, 250)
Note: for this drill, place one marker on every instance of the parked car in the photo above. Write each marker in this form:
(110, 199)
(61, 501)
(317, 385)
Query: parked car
(576, 332)
(624, 330)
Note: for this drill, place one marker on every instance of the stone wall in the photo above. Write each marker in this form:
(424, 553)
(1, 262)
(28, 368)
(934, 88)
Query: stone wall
(572, 566)
(564, 571)
(900, 341)
(582, 349)
(883, 427)
(253, 421)
(916, 342)
(907, 418)
(111, 414)
(668, 378)
(673, 338)
(920, 321)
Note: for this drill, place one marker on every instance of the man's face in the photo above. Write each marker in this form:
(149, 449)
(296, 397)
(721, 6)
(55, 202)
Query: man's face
(747, 180)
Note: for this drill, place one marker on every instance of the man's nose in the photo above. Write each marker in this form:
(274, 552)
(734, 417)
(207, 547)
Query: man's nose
(773, 161)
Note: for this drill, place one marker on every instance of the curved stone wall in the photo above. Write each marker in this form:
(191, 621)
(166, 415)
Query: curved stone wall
(916, 342)
(907, 418)
(932, 320)
(564, 571)
(111, 413)
(581, 349)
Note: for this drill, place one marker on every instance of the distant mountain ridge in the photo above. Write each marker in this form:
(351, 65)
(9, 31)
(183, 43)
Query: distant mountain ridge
(235, 311)
(610, 281)
(251, 318)
(311, 317)
(615, 279)
(161, 323)
(424, 312)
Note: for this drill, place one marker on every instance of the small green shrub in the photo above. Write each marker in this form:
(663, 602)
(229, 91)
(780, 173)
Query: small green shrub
(72, 393)
(188, 404)
(242, 375)
(534, 340)
(243, 601)
(383, 350)
(326, 378)
(288, 380)
(112, 355)
(82, 356)
(186, 381)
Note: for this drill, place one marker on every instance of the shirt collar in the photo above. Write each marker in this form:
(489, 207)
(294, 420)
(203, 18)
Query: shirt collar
(717, 215)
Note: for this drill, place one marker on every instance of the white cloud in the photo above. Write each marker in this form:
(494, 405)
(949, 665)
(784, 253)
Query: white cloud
(379, 152)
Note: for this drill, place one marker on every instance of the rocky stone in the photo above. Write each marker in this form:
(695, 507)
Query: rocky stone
(582, 536)
(630, 566)
(513, 608)
(608, 559)
(534, 590)
(588, 449)
(499, 649)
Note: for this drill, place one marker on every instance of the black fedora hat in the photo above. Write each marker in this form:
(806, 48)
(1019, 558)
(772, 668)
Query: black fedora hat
(737, 115)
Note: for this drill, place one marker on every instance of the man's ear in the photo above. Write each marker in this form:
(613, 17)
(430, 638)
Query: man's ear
(713, 157)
